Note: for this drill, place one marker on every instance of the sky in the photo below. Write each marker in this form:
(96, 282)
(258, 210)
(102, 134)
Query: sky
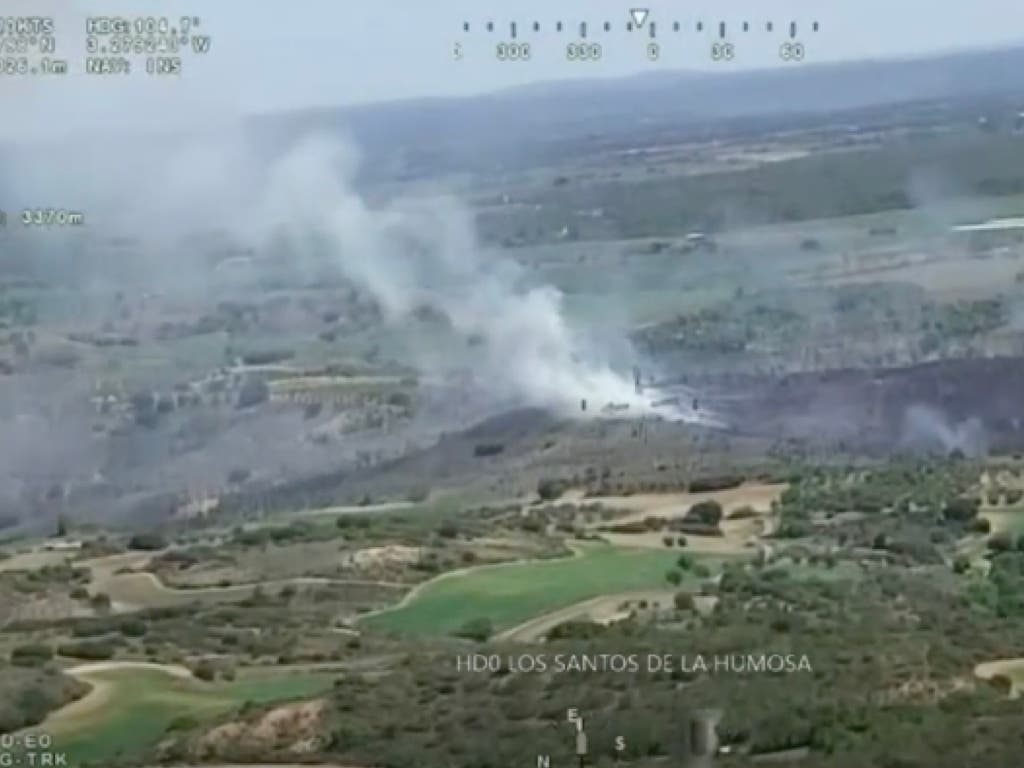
(281, 54)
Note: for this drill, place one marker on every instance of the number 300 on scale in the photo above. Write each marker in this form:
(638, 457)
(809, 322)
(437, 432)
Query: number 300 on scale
(583, 51)
(513, 51)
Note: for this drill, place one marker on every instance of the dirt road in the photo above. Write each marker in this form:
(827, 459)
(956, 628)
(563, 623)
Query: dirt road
(131, 589)
(603, 609)
(102, 689)
(1011, 669)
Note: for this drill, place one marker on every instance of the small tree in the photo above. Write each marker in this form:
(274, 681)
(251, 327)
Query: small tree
(100, 602)
(550, 489)
(674, 577)
(980, 525)
(706, 512)
(147, 542)
(476, 629)
(253, 392)
(90, 650)
(133, 628)
(205, 670)
(31, 655)
(1001, 542)
(448, 530)
(683, 601)
(960, 510)
(742, 513)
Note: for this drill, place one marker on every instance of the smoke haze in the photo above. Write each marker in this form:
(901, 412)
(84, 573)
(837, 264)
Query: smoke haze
(928, 428)
(416, 253)
(299, 210)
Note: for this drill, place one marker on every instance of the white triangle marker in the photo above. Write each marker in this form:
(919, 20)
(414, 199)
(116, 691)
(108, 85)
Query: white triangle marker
(639, 16)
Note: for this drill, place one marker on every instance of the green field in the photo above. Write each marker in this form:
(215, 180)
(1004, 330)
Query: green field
(142, 703)
(512, 593)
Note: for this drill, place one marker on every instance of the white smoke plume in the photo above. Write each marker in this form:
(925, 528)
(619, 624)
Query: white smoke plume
(926, 427)
(417, 252)
(301, 207)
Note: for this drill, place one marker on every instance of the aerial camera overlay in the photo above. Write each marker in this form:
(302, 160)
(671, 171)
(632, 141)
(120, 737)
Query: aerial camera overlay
(454, 385)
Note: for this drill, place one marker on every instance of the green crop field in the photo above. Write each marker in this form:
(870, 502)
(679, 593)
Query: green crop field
(140, 704)
(512, 593)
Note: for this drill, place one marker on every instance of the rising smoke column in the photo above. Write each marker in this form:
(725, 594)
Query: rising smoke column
(301, 208)
(926, 427)
(413, 252)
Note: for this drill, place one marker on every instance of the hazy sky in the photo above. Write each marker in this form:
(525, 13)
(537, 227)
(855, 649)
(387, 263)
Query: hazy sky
(272, 54)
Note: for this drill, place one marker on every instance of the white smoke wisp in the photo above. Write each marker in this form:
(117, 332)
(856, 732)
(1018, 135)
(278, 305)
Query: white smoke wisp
(926, 427)
(1016, 321)
(424, 251)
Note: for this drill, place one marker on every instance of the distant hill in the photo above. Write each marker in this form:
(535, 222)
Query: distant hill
(534, 123)
(507, 125)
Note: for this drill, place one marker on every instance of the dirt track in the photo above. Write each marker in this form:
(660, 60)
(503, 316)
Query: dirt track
(130, 589)
(1012, 669)
(101, 690)
(602, 609)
